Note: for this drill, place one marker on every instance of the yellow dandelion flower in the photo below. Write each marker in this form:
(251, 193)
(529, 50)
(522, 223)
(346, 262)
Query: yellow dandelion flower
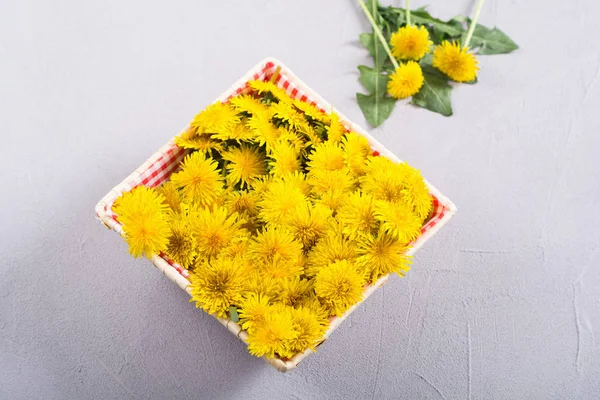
(295, 138)
(143, 214)
(199, 179)
(311, 301)
(263, 87)
(397, 182)
(279, 200)
(308, 223)
(293, 290)
(182, 246)
(381, 254)
(282, 269)
(263, 285)
(243, 202)
(287, 113)
(326, 156)
(216, 118)
(406, 80)
(216, 284)
(332, 247)
(248, 104)
(415, 193)
(356, 151)
(298, 180)
(281, 308)
(238, 248)
(262, 184)
(283, 158)
(265, 133)
(340, 180)
(310, 329)
(410, 42)
(382, 179)
(306, 135)
(398, 220)
(272, 335)
(312, 111)
(219, 200)
(277, 253)
(458, 63)
(336, 129)
(171, 194)
(245, 165)
(339, 286)
(357, 214)
(239, 132)
(214, 230)
(203, 143)
(332, 198)
(253, 309)
(285, 350)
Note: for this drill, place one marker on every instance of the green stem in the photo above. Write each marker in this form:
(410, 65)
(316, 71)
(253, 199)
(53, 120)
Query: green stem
(473, 23)
(378, 33)
(408, 12)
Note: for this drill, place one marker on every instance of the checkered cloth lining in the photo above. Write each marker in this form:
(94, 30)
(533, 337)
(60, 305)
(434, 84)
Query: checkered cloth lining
(163, 164)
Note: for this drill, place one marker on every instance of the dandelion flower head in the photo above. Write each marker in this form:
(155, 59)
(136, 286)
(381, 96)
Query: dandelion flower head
(340, 286)
(245, 165)
(381, 254)
(456, 62)
(398, 220)
(310, 328)
(410, 42)
(216, 284)
(272, 335)
(143, 214)
(253, 309)
(199, 179)
(182, 245)
(406, 80)
(214, 229)
(216, 118)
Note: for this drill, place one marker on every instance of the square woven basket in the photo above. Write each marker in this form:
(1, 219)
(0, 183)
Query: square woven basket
(166, 160)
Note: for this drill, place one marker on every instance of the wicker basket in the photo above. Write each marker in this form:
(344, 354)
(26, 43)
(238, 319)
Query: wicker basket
(166, 160)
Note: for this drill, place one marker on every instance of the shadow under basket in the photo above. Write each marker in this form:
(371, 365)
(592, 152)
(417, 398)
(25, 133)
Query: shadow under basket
(166, 160)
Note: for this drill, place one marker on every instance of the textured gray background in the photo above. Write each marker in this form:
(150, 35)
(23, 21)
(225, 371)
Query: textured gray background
(503, 304)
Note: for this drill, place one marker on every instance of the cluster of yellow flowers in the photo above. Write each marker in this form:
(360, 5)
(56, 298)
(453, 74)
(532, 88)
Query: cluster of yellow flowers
(281, 215)
(411, 43)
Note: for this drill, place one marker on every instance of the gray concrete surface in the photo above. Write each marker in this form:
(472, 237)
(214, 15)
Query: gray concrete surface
(503, 304)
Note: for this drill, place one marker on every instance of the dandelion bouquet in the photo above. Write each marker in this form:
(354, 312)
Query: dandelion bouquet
(276, 214)
(421, 57)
